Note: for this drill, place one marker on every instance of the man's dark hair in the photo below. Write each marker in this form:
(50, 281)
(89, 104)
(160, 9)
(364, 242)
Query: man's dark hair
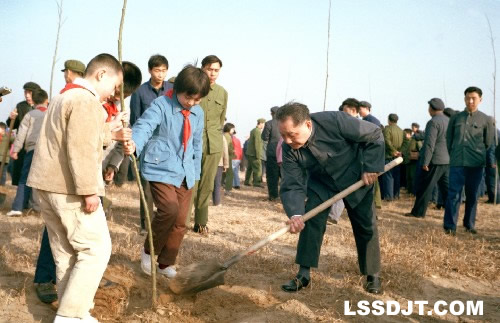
(39, 96)
(472, 89)
(192, 81)
(31, 86)
(103, 60)
(351, 102)
(365, 104)
(393, 118)
(297, 111)
(3, 125)
(415, 125)
(132, 77)
(449, 112)
(157, 60)
(210, 59)
(228, 126)
(408, 131)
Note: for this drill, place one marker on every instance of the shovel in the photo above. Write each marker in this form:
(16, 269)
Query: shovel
(201, 276)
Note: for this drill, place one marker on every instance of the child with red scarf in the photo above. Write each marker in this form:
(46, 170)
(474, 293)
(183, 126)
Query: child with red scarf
(168, 138)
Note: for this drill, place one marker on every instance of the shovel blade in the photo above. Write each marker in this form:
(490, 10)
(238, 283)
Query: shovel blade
(198, 277)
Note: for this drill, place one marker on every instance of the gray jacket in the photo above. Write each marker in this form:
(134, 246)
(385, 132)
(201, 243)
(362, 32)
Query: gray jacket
(468, 137)
(434, 150)
(29, 130)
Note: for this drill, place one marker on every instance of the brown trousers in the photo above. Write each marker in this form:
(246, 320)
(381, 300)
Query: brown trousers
(169, 223)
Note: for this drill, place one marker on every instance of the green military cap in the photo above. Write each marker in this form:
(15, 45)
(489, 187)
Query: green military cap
(31, 86)
(74, 65)
(261, 120)
(171, 80)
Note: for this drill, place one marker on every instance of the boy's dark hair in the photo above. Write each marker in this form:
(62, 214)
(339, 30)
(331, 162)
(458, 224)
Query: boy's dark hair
(192, 81)
(351, 102)
(39, 96)
(157, 60)
(295, 110)
(228, 126)
(210, 59)
(31, 86)
(472, 89)
(415, 125)
(3, 125)
(393, 118)
(103, 60)
(408, 131)
(132, 77)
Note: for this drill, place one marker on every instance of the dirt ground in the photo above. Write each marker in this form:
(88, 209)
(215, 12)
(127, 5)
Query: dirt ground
(419, 262)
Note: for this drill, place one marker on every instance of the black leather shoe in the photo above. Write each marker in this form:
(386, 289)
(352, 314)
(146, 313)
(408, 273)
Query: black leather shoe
(295, 284)
(373, 285)
(473, 231)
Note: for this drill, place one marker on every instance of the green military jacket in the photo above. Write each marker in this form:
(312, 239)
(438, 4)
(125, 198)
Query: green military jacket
(214, 106)
(393, 136)
(230, 147)
(405, 150)
(254, 148)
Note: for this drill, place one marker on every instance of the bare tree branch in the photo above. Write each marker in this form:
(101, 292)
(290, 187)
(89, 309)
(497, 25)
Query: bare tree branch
(327, 53)
(54, 58)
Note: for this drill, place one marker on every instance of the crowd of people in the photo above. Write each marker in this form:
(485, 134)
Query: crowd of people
(189, 154)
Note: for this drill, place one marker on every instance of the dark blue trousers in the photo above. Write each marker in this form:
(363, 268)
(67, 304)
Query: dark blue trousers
(45, 267)
(470, 177)
(23, 192)
(390, 183)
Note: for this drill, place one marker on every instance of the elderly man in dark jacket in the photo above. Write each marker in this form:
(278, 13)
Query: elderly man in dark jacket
(324, 153)
(434, 160)
(271, 135)
(470, 134)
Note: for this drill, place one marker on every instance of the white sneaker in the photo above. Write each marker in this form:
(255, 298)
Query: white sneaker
(145, 262)
(14, 213)
(170, 271)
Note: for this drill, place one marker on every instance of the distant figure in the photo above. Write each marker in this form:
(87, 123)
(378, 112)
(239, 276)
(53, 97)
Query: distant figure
(470, 134)
(155, 87)
(434, 160)
(214, 106)
(73, 69)
(238, 152)
(253, 155)
(221, 169)
(228, 176)
(271, 134)
(18, 114)
(26, 138)
(393, 136)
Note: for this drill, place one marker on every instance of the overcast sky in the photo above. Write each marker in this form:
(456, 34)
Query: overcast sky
(397, 54)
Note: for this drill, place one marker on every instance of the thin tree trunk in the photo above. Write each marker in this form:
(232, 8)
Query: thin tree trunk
(494, 102)
(327, 53)
(137, 175)
(54, 59)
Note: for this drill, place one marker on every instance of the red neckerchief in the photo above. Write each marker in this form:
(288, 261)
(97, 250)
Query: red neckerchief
(111, 109)
(186, 127)
(41, 108)
(70, 86)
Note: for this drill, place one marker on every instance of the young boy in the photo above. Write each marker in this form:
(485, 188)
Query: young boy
(67, 174)
(27, 136)
(168, 137)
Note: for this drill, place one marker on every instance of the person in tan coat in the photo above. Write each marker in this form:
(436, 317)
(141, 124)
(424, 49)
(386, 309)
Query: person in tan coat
(67, 173)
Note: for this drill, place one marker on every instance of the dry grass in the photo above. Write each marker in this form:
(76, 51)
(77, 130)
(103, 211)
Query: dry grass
(419, 262)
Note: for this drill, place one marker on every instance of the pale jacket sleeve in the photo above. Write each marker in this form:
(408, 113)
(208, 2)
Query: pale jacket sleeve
(225, 153)
(198, 145)
(22, 133)
(84, 133)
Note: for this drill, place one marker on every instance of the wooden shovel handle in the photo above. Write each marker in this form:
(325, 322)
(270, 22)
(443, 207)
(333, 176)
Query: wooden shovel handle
(312, 213)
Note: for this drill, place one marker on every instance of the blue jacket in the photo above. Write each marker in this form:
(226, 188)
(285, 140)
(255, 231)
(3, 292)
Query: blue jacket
(158, 138)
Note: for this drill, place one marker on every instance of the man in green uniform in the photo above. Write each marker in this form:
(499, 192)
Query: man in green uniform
(254, 154)
(390, 181)
(214, 106)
